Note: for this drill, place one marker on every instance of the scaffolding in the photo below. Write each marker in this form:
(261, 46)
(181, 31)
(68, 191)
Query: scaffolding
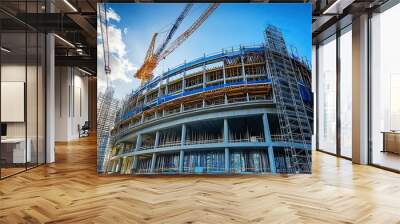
(107, 107)
(293, 119)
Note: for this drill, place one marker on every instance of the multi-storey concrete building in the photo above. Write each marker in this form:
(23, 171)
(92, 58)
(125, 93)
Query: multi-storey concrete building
(246, 110)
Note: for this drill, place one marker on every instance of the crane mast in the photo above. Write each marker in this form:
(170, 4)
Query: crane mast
(104, 36)
(145, 72)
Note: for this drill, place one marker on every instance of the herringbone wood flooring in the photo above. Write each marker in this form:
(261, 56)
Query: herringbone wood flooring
(70, 191)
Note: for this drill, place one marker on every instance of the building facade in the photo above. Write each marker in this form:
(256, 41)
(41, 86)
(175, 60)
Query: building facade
(246, 110)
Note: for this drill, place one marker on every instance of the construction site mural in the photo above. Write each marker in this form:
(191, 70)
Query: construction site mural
(204, 89)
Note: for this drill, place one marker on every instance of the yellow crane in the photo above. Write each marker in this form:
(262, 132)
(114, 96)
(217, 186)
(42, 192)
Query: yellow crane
(153, 57)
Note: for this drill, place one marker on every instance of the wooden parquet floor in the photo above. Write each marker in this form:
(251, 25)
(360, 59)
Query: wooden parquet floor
(70, 191)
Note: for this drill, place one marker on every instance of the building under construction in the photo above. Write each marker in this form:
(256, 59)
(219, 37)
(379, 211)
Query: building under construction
(107, 107)
(246, 110)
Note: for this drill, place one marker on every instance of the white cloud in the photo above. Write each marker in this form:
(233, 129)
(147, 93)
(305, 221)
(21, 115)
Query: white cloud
(101, 84)
(100, 51)
(112, 15)
(115, 41)
(125, 30)
(122, 69)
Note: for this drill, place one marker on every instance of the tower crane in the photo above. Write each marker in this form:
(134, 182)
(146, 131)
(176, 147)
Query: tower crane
(104, 36)
(153, 57)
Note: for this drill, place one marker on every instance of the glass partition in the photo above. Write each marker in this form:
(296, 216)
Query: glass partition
(22, 77)
(13, 94)
(327, 95)
(385, 89)
(346, 92)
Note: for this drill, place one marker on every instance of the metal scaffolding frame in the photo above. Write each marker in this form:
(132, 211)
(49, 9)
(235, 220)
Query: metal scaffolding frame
(107, 107)
(293, 119)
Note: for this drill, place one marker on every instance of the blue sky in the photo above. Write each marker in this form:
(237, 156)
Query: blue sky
(229, 25)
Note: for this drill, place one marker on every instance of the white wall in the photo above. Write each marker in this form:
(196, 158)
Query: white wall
(16, 73)
(71, 103)
(61, 103)
(80, 110)
(9, 73)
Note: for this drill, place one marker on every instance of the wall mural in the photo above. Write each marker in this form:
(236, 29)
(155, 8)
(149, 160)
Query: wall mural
(204, 88)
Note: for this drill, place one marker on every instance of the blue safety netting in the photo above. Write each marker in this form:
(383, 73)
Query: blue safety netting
(306, 93)
(163, 99)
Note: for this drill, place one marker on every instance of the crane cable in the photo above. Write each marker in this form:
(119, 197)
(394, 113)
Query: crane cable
(104, 36)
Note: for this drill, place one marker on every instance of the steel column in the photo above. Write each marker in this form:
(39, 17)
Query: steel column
(226, 131)
(156, 142)
(138, 142)
(267, 136)
(181, 155)
(267, 133)
(183, 136)
(137, 147)
(227, 160)
(242, 63)
(153, 162)
(271, 159)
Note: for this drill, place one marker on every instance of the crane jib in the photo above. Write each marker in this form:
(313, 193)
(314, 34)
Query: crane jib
(152, 59)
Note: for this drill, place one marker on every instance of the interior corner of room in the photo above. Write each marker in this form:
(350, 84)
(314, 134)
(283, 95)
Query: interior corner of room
(47, 76)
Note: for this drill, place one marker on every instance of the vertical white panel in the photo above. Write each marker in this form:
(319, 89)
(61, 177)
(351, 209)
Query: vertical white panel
(12, 101)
